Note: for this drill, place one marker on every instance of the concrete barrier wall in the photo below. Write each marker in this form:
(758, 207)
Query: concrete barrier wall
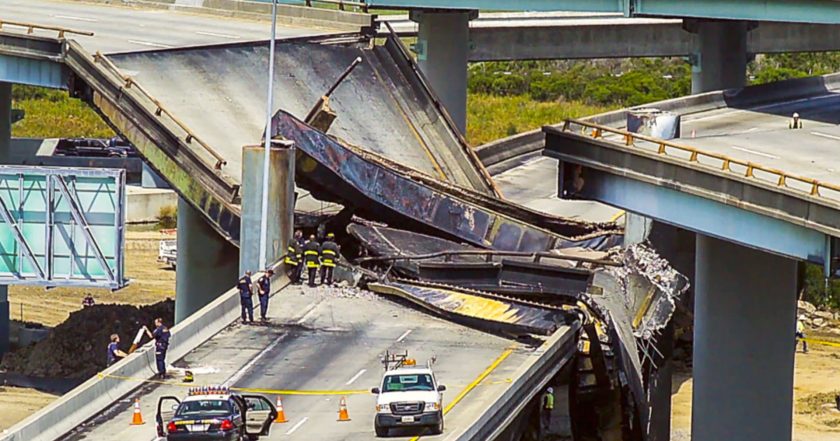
(144, 204)
(88, 400)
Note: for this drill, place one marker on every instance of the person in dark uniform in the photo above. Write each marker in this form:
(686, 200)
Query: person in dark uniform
(329, 257)
(293, 263)
(161, 336)
(264, 283)
(244, 285)
(114, 351)
(311, 251)
(88, 301)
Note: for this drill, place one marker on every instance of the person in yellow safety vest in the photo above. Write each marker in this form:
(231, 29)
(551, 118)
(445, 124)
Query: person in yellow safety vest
(795, 122)
(329, 257)
(800, 335)
(546, 408)
(293, 257)
(311, 251)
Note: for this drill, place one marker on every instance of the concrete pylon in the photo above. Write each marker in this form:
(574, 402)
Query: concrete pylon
(281, 203)
(720, 61)
(5, 156)
(443, 45)
(744, 324)
(207, 264)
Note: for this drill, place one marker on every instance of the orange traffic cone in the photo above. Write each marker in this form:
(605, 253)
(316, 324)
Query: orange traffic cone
(342, 410)
(281, 416)
(137, 419)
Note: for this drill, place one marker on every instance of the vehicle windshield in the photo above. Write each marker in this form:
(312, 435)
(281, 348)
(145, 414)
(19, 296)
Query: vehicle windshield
(403, 383)
(204, 407)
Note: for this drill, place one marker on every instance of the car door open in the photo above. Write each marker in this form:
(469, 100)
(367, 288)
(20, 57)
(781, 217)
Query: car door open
(166, 408)
(258, 415)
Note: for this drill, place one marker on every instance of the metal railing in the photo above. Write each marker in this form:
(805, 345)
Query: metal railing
(160, 109)
(743, 168)
(341, 4)
(30, 28)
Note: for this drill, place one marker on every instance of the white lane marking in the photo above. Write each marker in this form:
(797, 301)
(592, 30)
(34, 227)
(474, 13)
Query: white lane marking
(73, 17)
(766, 155)
(241, 372)
(297, 426)
(826, 135)
(306, 315)
(405, 334)
(751, 130)
(729, 111)
(214, 34)
(355, 377)
(150, 43)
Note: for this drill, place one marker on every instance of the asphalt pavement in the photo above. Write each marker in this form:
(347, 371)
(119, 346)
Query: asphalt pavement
(320, 340)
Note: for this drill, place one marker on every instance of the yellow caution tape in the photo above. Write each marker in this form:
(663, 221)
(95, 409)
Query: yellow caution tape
(238, 389)
(821, 342)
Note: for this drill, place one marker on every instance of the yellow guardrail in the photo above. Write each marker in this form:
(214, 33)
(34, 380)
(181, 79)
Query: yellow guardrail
(782, 178)
(30, 28)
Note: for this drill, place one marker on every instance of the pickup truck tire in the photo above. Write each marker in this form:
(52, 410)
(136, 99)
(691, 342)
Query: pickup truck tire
(437, 430)
(380, 431)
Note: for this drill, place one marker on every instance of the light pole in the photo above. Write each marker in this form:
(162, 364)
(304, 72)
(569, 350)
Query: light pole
(267, 159)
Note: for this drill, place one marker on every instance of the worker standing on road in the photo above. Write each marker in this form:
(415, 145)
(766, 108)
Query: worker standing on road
(795, 122)
(546, 408)
(329, 257)
(246, 293)
(310, 257)
(161, 336)
(800, 334)
(293, 258)
(114, 351)
(264, 284)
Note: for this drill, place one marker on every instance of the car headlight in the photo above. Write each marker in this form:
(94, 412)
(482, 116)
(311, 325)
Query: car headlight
(432, 406)
(383, 408)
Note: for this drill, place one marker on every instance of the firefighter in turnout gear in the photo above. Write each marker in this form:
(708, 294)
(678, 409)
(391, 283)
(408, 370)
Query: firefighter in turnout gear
(310, 258)
(293, 259)
(329, 257)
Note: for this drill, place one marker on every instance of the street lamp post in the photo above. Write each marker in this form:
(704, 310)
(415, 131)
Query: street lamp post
(268, 113)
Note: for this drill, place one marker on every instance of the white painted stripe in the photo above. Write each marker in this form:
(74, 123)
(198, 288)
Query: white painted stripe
(297, 426)
(405, 334)
(150, 43)
(826, 135)
(766, 155)
(309, 312)
(214, 34)
(355, 377)
(241, 372)
(73, 17)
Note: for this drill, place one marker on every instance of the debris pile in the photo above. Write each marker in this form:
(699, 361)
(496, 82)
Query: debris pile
(816, 319)
(77, 347)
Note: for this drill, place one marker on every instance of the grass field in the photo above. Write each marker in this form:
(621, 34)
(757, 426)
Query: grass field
(53, 114)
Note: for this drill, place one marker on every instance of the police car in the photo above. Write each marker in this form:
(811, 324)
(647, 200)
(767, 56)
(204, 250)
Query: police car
(214, 414)
(408, 396)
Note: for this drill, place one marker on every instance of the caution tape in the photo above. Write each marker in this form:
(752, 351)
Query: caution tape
(821, 342)
(238, 389)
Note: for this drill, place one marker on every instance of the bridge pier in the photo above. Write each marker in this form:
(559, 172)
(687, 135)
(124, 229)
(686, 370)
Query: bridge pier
(744, 323)
(720, 61)
(443, 45)
(207, 264)
(5, 156)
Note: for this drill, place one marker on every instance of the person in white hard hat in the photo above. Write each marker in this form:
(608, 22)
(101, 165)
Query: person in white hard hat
(795, 123)
(546, 408)
(800, 334)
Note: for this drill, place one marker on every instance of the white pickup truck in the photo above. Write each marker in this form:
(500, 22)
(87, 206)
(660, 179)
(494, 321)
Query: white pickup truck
(168, 252)
(408, 396)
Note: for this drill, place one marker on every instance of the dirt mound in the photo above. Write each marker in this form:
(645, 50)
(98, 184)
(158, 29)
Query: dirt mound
(77, 348)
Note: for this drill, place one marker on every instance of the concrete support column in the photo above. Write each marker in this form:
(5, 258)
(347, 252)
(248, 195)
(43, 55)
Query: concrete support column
(281, 204)
(744, 323)
(5, 122)
(721, 58)
(443, 44)
(207, 264)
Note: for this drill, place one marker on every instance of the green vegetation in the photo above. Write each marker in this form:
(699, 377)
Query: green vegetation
(816, 291)
(167, 217)
(53, 114)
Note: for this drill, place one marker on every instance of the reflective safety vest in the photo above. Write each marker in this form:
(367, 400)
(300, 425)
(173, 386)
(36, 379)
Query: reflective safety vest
(329, 253)
(548, 401)
(310, 254)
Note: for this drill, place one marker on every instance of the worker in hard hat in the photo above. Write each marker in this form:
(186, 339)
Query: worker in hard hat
(546, 408)
(795, 122)
(329, 256)
(311, 253)
(293, 258)
(800, 334)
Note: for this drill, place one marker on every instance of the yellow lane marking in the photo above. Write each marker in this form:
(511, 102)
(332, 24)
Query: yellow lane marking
(618, 216)
(475, 383)
(822, 342)
(240, 389)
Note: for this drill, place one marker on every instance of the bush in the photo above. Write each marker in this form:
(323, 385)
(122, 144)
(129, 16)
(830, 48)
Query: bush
(167, 217)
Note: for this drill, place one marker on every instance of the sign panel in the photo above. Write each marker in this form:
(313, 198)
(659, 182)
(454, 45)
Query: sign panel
(62, 226)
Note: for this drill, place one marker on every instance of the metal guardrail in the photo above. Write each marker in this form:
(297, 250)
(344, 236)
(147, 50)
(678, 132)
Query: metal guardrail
(341, 4)
(129, 82)
(30, 28)
(782, 179)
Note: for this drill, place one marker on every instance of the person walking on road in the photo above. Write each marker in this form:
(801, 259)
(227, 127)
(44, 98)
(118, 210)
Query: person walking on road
(161, 336)
(246, 293)
(800, 335)
(114, 351)
(264, 285)
(546, 408)
(311, 251)
(329, 257)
